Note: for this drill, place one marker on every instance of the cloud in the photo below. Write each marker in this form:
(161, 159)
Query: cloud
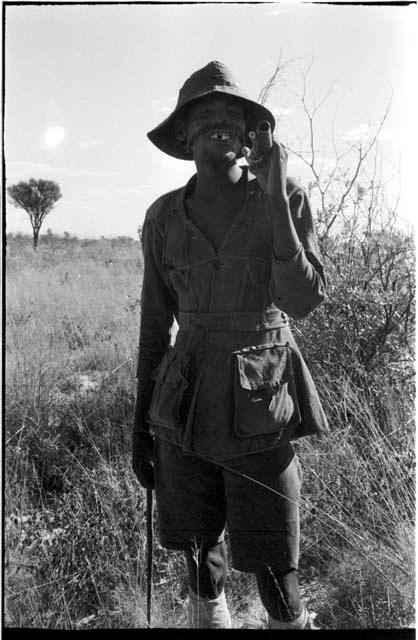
(364, 133)
(281, 112)
(88, 144)
(361, 133)
(267, 63)
(27, 164)
(325, 162)
(166, 107)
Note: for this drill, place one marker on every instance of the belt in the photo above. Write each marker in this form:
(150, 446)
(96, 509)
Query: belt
(233, 320)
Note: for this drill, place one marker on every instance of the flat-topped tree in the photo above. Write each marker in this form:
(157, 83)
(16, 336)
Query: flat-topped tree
(37, 198)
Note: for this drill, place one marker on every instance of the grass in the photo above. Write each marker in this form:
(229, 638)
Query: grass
(357, 520)
(75, 514)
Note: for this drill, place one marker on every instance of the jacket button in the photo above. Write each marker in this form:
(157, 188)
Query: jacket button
(216, 264)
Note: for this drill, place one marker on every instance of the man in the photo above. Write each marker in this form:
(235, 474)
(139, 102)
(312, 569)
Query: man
(231, 255)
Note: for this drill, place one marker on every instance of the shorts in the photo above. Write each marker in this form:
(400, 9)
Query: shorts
(256, 498)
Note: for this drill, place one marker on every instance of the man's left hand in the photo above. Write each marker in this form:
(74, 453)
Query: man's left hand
(270, 171)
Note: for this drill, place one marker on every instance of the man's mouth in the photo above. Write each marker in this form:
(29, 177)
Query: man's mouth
(220, 133)
(221, 136)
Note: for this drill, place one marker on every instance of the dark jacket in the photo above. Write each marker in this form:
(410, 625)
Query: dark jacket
(234, 382)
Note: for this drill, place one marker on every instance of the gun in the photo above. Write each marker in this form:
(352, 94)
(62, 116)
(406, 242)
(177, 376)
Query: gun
(262, 139)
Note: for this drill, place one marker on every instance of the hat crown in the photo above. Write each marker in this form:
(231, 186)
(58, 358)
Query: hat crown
(211, 77)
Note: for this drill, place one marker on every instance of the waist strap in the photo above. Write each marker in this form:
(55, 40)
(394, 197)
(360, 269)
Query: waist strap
(233, 320)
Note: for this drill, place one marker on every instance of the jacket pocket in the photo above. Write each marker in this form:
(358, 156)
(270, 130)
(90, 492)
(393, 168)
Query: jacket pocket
(265, 399)
(170, 387)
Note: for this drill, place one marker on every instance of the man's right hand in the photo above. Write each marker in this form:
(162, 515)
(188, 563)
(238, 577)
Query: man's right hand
(143, 457)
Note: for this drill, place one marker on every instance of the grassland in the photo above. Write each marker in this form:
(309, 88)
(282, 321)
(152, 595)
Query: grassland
(74, 512)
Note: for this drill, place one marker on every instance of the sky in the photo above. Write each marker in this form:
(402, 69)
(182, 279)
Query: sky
(84, 83)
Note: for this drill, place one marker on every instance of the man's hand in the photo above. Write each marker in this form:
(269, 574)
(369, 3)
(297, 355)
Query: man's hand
(270, 171)
(143, 457)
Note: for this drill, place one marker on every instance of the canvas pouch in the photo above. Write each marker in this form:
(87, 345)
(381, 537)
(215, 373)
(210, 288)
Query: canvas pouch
(265, 399)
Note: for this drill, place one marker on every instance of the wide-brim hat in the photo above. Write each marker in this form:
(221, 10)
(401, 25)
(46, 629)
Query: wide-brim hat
(214, 78)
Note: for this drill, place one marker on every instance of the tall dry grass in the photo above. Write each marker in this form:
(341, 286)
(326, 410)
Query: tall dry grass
(74, 513)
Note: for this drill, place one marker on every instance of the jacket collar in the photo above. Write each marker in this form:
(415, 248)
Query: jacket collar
(253, 189)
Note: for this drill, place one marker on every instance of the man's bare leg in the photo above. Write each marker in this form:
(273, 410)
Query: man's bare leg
(207, 568)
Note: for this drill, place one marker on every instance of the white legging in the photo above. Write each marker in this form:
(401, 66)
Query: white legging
(204, 613)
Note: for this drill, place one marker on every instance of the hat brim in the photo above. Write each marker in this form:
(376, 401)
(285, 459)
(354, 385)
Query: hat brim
(163, 136)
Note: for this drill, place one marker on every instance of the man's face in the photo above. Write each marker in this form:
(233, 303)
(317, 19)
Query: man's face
(215, 126)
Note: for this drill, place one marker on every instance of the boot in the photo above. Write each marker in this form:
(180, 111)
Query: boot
(303, 621)
(203, 613)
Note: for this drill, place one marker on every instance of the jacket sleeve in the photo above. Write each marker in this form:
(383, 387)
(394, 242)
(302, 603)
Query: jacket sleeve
(158, 309)
(298, 284)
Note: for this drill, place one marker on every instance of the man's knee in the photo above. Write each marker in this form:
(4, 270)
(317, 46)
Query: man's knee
(216, 560)
(207, 569)
(279, 593)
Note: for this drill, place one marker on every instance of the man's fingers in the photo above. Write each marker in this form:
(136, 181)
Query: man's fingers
(252, 159)
(245, 152)
(144, 471)
(146, 478)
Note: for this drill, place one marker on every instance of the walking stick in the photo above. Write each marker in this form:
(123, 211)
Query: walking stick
(149, 553)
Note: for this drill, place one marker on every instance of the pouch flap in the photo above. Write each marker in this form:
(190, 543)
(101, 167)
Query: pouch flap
(171, 369)
(262, 366)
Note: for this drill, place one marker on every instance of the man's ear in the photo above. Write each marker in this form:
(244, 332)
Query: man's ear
(180, 131)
